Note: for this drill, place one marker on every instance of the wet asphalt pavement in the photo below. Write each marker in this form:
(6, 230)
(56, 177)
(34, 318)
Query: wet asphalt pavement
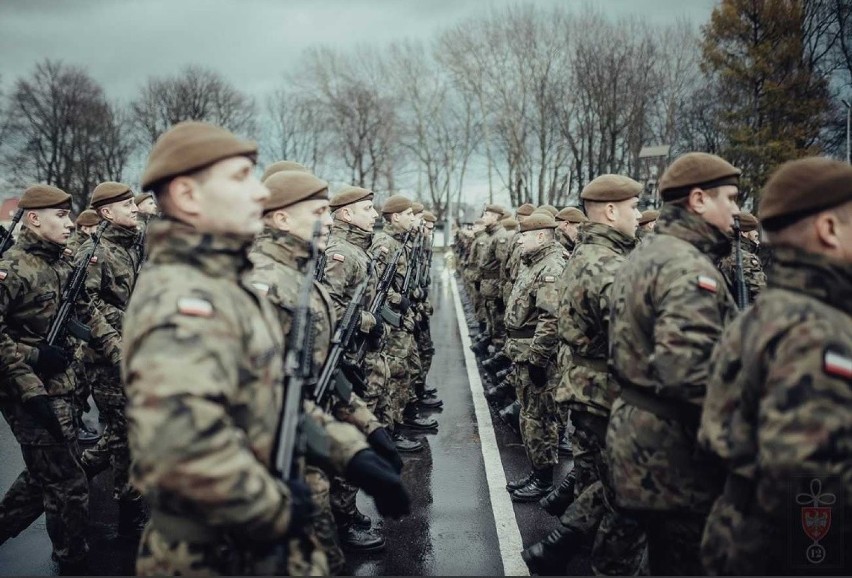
(451, 530)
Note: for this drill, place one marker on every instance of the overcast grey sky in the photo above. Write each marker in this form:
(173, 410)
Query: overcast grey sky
(252, 42)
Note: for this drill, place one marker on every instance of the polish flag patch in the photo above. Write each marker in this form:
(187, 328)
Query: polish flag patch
(383, 249)
(67, 251)
(195, 307)
(708, 283)
(262, 287)
(94, 259)
(338, 257)
(2, 275)
(834, 363)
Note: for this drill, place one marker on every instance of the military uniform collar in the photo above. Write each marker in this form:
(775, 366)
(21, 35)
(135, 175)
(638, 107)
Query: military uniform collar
(121, 235)
(171, 241)
(283, 247)
(678, 222)
(565, 241)
(492, 228)
(395, 233)
(355, 235)
(749, 245)
(32, 244)
(600, 234)
(542, 252)
(815, 275)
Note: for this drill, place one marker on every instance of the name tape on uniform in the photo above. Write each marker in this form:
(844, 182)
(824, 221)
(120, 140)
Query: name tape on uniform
(338, 257)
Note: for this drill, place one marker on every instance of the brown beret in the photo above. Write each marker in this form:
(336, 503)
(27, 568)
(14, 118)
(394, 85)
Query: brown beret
(142, 197)
(800, 188)
(280, 166)
(525, 210)
(348, 195)
(429, 217)
(88, 218)
(110, 192)
(536, 221)
(190, 146)
(500, 210)
(396, 204)
(44, 197)
(478, 222)
(290, 187)
(611, 188)
(748, 222)
(509, 224)
(417, 208)
(550, 209)
(692, 170)
(571, 215)
(648, 217)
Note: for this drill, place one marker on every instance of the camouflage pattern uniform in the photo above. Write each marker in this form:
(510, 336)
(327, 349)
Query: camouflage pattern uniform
(32, 275)
(110, 281)
(401, 351)
(203, 367)
(532, 339)
(490, 288)
(472, 275)
(779, 406)
(566, 242)
(670, 304)
(422, 334)
(753, 275)
(279, 271)
(584, 310)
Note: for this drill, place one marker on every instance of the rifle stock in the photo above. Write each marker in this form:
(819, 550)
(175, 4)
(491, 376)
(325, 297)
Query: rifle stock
(7, 235)
(740, 292)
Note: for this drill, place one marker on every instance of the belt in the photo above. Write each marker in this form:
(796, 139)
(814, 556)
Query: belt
(680, 411)
(593, 363)
(526, 333)
(177, 529)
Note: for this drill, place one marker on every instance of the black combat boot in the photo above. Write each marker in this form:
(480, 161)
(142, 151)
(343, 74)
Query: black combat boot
(551, 556)
(430, 391)
(404, 444)
(565, 448)
(511, 416)
(425, 401)
(539, 486)
(561, 497)
(413, 420)
(361, 520)
(520, 482)
(132, 515)
(501, 392)
(496, 362)
(480, 348)
(503, 374)
(354, 538)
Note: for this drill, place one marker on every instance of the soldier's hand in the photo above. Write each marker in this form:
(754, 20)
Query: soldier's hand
(404, 304)
(301, 504)
(376, 477)
(368, 321)
(39, 407)
(382, 443)
(378, 330)
(355, 375)
(51, 359)
(538, 375)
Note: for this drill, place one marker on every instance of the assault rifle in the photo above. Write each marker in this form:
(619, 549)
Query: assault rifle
(63, 321)
(342, 339)
(740, 291)
(413, 265)
(427, 264)
(377, 306)
(292, 442)
(7, 234)
(320, 274)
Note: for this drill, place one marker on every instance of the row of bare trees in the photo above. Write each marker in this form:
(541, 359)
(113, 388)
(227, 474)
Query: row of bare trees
(530, 103)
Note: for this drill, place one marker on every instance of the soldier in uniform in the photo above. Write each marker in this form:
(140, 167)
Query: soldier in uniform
(403, 360)
(147, 208)
(204, 372)
(37, 397)
(531, 327)
(427, 396)
(471, 271)
(603, 245)
(86, 224)
(647, 222)
(779, 401)
(297, 201)
(110, 281)
(669, 306)
(488, 268)
(755, 279)
(569, 220)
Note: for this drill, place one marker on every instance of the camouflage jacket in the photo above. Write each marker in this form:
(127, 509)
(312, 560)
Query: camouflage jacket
(33, 274)
(78, 237)
(112, 274)
(533, 307)
(584, 309)
(753, 275)
(669, 305)
(489, 260)
(779, 398)
(566, 242)
(509, 270)
(477, 248)
(385, 245)
(203, 366)
(346, 266)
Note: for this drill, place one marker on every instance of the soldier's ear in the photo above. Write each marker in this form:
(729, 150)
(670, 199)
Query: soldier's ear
(184, 194)
(33, 219)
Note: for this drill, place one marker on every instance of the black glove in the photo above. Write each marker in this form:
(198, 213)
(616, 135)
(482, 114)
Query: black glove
(375, 476)
(51, 359)
(404, 304)
(538, 375)
(39, 407)
(378, 331)
(381, 441)
(355, 375)
(301, 504)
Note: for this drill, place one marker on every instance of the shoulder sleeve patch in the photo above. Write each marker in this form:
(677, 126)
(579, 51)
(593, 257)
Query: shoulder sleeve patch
(2, 275)
(262, 287)
(549, 279)
(502, 240)
(836, 364)
(383, 249)
(707, 283)
(94, 259)
(67, 251)
(338, 257)
(195, 307)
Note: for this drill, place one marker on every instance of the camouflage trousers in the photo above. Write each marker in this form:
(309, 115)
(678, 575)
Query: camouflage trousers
(495, 311)
(425, 350)
(53, 482)
(403, 363)
(377, 394)
(539, 430)
(112, 450)
(325, 528)
(587, 443)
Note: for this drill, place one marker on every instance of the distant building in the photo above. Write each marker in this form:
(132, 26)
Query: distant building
(7, 209)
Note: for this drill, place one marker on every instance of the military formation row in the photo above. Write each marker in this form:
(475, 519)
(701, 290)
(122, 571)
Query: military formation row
(705, 400)
(252, 291)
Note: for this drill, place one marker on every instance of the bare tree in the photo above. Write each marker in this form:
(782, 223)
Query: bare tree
(295, 129)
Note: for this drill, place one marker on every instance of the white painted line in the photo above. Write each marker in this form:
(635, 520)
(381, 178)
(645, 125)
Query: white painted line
(508, 534)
